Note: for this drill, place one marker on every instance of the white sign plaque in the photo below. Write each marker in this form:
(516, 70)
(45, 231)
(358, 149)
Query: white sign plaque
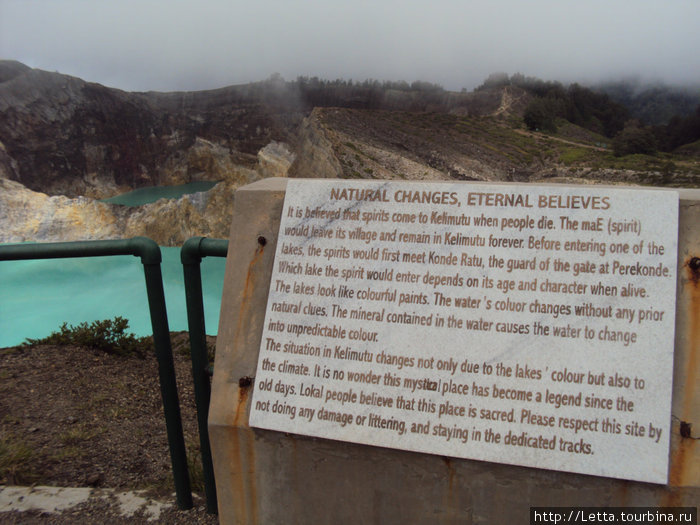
(528, 325)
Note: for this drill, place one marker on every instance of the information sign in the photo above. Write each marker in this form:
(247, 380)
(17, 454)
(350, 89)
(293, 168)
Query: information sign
(528, 325)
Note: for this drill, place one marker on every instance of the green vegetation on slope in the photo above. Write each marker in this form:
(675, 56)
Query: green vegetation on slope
(109, 335)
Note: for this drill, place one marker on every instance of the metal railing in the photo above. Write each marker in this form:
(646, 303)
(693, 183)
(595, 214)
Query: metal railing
(150, 255)
(191, 256)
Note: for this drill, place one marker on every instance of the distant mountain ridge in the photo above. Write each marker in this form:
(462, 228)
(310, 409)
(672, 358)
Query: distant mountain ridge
(77, 141)
(71, 137)
(66, 136)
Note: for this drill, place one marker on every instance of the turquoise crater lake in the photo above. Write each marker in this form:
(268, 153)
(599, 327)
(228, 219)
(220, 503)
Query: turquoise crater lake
(150, 194)
(37, 296)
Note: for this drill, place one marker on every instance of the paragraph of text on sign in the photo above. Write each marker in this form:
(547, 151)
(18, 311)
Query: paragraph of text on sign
(526, 325)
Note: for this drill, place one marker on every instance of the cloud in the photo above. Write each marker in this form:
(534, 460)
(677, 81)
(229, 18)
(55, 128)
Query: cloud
(176, 45)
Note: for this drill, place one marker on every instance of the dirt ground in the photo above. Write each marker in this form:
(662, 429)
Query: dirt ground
(78, 417)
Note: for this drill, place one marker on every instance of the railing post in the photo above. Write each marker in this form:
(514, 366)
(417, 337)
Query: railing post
(168, 384)
(150, 255)
(191, 256)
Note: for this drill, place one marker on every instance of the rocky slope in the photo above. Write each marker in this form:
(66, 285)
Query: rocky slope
(489, 145)
(63, 136)
(27, 215)
(65, 142)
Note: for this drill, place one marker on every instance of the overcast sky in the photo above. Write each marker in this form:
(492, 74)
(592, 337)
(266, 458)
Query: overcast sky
(176, 45)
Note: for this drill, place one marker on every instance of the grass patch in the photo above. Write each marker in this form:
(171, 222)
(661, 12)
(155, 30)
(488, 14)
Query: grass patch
(15, 461)
(117, 412)
(94, 401)
(570, 156)
(77, 435)
(194, 466)
(568, 131)
(636, 162)
(11, 420)
(70, 452)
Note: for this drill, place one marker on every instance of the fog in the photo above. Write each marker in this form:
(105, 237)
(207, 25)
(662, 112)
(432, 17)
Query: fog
(175, 45)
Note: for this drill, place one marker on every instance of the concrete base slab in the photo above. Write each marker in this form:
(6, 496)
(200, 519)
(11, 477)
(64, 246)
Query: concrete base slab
(55, 500)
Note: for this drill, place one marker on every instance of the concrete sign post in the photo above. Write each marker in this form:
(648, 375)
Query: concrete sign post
(531, 326)
(394, 352)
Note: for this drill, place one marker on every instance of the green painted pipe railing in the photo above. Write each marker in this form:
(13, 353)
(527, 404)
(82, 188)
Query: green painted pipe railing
(150, 255)
(191, 256)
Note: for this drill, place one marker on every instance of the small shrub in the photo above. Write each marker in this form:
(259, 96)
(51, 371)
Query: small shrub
(634, 139)
(109, 335)
(668, 168)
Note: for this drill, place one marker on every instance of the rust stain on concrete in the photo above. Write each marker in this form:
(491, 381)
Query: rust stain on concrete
(244, 486)
(450, 496)
(248, 289)
(622, 495)
(240, 405)
(252, 485)
(679, 462)
(238, 489)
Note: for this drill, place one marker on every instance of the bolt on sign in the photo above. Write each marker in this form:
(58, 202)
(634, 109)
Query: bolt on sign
(527, 325)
